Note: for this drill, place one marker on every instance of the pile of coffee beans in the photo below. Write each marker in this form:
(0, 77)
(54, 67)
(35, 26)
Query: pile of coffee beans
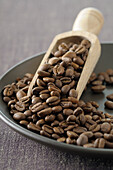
(53, 109)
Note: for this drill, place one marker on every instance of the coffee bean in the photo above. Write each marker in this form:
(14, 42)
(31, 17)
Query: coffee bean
(71, 118)
(55, 123)
(43, 73)
(55, 93)
(19, 116)
(24, 122)
(56, 109)
(108, 144)
(79, 129)
(32, 126)
(50, 118)
(36, 100)
(47, 129)
(70, 141)
(89, 134)
(82, 119)
(36, 90)
(58, 130)
(98, 89)
(55, 136)
(58, 70)
(48, 79)
(110, 97)
(52, 99)
(53, 60)
(44, 133)
(86, 43)
(65, 80)
(28, 113)
(78, 111)
(62, 139)
(58, 83)
(44, 67)
(109, 72)
(40, 122)
(82, 140)
(97, 83)
(72, 134)
(109, 104)
(105, 127)
(67, 112)
(40, 82)
(57, 53)
(20, 106)
(69, 127)
(66, 104)
(44, 112)
(108, 137)
(8, 91)
(20, 94)
(65, 89)
(98, 135)
(60, 117)
(38, 107)
(73, 93)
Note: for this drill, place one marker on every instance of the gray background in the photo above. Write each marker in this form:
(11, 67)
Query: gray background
(26, 28)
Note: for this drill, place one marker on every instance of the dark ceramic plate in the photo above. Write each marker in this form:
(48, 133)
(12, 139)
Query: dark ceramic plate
(30, 65)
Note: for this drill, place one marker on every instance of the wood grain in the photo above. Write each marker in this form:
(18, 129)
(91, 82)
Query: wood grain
(26, 28)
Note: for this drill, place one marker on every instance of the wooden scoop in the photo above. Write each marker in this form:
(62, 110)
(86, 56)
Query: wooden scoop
(87, 25)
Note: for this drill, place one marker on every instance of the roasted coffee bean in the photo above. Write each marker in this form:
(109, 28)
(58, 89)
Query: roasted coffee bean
(65, 89)
(60, 117)
(36, 100)
(44, 67)
(99, 143)
(52, 99)
(98, 89)
(78, 111)
(73, 93)
(66, 80)
(57, 53)
(20, 94)
(58, 130)
(66, 104)
(48, 79)
(108, 137)
(28, 113)
(108, 144)
(55, 93)
(54, 88)
(72, 134)
(109, 72)
(44, 96)
(20, 106)
(82, 140)
(38, 106)
(8, 91)
(24, 122)
(71, 118)
(40, 122)
(70, 141)
(32, 126)
(58, 83)
(86, 43)
(53, 60)
(89, 134)
(19, 116)
(40, 82)
(79, 129)
(80, 50)
(55, 136)
(63, 47)
(55, 123)
(56, 109)
(69, 73)
(44, 133)
(47, 129)
(50, 118)
(43, 73)
(67, 112)
(109, 104)
(58, 70)
(82, 119)
(69, 127)
(97, 83)
(62, 139)
(36, 90)
(110, 97)
(44, 112)
(105, 127)
(24, 99)
(6, 99)
(98, 135)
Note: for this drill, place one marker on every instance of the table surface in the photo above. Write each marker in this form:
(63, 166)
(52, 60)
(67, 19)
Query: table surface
(27, 28)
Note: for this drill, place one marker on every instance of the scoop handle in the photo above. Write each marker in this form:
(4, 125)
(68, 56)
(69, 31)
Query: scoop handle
(90, 20)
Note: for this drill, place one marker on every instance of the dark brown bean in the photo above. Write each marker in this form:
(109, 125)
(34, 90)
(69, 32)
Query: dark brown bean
(79, 129)
(110, 97)
(72, 134)
(19, 116)
(108, 137)
(24, 122)
(98, 89)
(44, 67)
(62, 139)
(32, 126)
(82, 140)
(40, 82)
(44, 112)
(109, 104)
(58, 83)
(70, 141)
(52, 99)
(20, 106)
(47, 129)
(67, 112)
(78, 111)
(55, 136)
(56, 109)
(40, 122)
(71, 118)
(43, 73)
(73, 93)
(58, 130)
(65, 89)
(50, 118)
(44, 133)
(105, 127)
